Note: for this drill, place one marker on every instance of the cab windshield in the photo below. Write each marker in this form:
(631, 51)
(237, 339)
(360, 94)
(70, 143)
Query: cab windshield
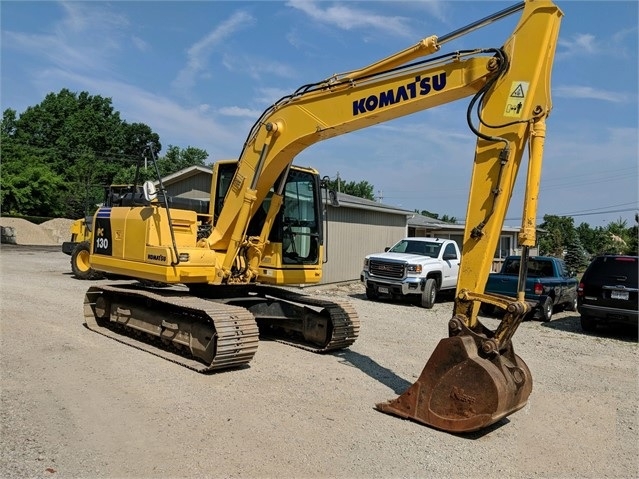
(422, 248)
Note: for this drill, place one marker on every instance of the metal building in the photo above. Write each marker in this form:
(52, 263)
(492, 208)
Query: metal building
(358, 227)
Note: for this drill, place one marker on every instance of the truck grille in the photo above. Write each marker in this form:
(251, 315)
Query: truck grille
(386, 269)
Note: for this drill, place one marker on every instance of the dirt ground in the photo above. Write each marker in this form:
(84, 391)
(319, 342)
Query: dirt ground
(75, 404)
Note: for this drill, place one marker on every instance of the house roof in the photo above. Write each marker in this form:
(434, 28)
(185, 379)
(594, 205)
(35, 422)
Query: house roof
(428, 223)
(350, 201)
(185, 173)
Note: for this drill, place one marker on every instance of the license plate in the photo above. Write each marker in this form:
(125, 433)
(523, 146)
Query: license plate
(383, 290)
(619, 295)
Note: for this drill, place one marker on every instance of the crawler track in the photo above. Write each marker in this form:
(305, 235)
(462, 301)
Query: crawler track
(225, 311)
(342, 315)
(236, 333)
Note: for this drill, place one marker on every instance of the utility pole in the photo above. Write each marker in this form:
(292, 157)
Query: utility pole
(339, 181)
(380, 196)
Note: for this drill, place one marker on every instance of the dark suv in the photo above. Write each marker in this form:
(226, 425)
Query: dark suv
(607, 292)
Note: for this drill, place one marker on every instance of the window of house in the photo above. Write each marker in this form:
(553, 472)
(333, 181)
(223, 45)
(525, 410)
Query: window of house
(505, 247)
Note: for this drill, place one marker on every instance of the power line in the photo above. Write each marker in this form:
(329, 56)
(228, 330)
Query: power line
(593, 213)
(602, 212)
(592, 210)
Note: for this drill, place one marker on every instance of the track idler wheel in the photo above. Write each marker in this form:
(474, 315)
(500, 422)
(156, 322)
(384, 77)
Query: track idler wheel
(465, 386)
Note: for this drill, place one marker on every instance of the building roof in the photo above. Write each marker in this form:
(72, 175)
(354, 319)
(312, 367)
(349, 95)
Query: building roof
(185, 173)
(428, 223)
(350, 201)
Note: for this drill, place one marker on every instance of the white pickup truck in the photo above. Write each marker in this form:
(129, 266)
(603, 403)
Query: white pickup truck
(413, 266)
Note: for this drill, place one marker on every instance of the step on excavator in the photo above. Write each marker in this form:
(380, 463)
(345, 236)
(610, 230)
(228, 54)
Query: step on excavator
(225, 263)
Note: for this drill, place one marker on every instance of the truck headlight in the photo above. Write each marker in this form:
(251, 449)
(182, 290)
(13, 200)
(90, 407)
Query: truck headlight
(365, 264)
(415, 268)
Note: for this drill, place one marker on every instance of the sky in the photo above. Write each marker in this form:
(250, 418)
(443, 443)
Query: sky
(201, 73)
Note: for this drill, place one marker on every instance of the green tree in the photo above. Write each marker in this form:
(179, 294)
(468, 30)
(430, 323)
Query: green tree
(361, 189)
(176, 159)
(8, 126)
(78, 142)
(558, 232)
(576, 257)
(32, 190)
(633, 234)
(430, 214)
(587, 237)
(620, 236)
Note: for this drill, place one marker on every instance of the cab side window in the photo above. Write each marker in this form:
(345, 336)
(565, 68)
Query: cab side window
(450, 249)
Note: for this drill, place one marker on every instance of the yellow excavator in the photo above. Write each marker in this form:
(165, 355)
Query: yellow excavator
(226, 260)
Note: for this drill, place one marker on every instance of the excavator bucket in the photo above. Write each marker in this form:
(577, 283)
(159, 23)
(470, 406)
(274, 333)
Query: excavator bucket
(465, 386)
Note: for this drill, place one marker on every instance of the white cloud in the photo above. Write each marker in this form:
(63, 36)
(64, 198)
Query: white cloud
(84, 39)
(584, 43)
(577, 91)
(83, 17)
(349, 18)
(198, 54)
(239, 112)
(268, 96)
(140, 44)
(257, 67)
(434, 8)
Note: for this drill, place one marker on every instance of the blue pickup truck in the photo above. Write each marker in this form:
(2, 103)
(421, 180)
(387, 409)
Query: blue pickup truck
(549, 285)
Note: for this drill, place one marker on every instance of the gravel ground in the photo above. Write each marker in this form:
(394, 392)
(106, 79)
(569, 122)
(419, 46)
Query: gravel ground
(78, 405)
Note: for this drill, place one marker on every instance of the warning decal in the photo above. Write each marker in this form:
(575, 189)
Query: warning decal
(515, 102)
(518, 92)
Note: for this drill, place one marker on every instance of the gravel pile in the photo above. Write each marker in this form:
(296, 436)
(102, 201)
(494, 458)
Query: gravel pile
(52, 232)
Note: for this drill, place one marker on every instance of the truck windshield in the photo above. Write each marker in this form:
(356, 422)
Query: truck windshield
(537, 268)
(422, 248)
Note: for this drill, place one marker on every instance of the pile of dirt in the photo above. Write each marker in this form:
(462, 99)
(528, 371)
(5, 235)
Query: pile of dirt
(52, 232)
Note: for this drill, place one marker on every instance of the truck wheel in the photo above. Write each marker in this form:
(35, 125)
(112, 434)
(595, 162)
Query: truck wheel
(546, 310)
(80, 262)
(371, 293)
(429, 294)
(572, 306)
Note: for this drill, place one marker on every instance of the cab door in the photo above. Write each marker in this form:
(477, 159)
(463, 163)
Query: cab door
(450, 266)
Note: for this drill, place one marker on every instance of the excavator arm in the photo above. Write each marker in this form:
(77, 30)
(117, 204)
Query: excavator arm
(474, 378)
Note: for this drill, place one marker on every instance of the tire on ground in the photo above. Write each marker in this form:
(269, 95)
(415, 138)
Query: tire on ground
(545, 310)
(572, 306)
(80, 262)
(429, 293)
